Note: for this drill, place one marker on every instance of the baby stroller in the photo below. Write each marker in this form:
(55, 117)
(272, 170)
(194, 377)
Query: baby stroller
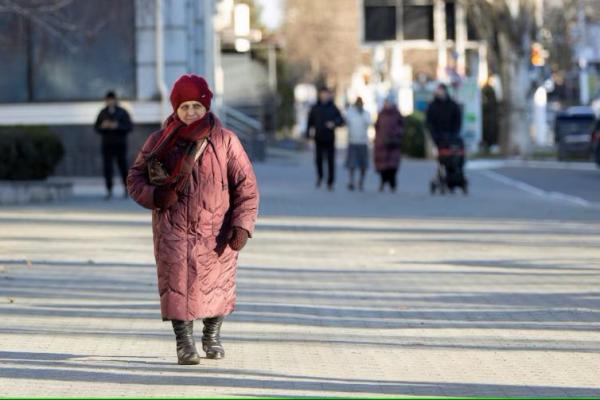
(451, 160)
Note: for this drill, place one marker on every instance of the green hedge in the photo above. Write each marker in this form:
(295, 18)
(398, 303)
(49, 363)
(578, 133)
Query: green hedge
(414, 135)
(28, 152)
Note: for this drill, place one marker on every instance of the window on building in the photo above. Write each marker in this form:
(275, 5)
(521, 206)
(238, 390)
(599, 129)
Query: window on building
(471, 28)
(13, 53)
(418, 22)
(450, 21)
(379, 20)
(86, 49)
(380, 23)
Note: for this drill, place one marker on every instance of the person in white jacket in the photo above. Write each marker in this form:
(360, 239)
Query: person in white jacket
(357, 121)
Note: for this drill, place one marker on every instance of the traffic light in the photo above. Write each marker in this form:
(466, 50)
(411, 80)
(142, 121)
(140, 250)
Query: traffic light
(538, 55)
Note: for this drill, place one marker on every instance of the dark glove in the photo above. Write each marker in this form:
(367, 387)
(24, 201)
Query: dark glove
(238, 239)
(164, 197)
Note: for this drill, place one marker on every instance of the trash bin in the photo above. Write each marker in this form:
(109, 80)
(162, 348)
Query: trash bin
(573, 129)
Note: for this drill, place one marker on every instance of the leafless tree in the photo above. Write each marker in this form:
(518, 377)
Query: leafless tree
(509, 26)
(52, 17)
(559, 30)
(321, 39)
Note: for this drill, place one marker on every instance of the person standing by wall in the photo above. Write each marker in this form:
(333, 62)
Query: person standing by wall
(357, 121)
(323, 118)
(389, 129)
(113, 124)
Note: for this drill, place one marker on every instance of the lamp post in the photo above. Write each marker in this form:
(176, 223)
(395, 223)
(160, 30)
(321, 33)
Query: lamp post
(582, 56)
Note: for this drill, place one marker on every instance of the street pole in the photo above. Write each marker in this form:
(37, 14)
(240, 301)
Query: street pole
(461, 38)
(272, 66)
(584, 92)
(439, 34)
(540, 97)
(160, 60)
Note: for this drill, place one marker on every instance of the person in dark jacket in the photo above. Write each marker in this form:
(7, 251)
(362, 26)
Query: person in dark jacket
(444, 117)
(323, 118)
(489, 121)
(113, 124)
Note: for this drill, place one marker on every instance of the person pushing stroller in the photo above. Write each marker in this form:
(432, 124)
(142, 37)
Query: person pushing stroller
(444, 119)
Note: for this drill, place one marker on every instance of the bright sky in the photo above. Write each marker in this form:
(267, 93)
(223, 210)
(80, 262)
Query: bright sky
(272, 13)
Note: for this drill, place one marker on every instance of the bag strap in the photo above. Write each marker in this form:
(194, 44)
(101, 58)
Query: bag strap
(200, 149)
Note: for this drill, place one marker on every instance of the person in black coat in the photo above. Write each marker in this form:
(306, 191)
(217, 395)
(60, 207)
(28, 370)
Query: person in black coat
(323, 118)
(113, 124)
(444, 118)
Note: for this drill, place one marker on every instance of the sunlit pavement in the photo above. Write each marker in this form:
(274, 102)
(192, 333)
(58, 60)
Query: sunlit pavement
(339, 293)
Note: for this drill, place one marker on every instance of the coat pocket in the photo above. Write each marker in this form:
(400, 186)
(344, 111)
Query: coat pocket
(170, 224)
(205, 223)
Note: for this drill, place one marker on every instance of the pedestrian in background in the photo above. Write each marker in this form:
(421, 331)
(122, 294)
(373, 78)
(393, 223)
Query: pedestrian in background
(357, 122)
(113, 124)
(200, 185)
(443, 118)
(389, 129)
(323, 118)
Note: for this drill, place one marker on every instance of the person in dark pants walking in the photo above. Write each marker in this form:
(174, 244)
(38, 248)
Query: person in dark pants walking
(113, 124)
(389, 130)
(323, 118)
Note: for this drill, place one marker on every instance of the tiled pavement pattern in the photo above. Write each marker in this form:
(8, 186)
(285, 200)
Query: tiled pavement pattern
(362, 294)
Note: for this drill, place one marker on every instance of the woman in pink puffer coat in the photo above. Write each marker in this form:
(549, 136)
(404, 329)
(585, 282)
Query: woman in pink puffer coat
(389, 130)
(204, 202)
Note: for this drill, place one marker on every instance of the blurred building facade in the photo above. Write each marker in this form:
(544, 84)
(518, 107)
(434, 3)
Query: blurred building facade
(413, 44)
(57, 64)
(247, 64)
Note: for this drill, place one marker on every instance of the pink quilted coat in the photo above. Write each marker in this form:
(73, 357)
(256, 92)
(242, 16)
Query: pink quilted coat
(196, 268)
(389, 125)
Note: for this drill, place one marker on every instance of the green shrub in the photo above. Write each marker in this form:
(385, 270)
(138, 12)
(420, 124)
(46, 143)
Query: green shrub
(414, 135)
(28, 152)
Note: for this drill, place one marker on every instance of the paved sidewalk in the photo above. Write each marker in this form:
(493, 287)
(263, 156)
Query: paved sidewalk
(362, 294)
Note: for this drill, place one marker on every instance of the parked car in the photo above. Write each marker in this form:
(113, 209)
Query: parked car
(573, 130)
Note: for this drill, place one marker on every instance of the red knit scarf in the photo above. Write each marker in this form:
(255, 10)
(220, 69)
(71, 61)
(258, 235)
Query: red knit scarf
(174, 131)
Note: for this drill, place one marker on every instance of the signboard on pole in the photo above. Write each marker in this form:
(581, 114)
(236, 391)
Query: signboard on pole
(469, 96)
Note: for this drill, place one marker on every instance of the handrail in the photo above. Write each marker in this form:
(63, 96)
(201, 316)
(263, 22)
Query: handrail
(236, 114)
(248, 129)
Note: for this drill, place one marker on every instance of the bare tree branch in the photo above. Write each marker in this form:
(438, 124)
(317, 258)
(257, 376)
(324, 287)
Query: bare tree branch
(322, 39)
(48, 26)
(51, 17)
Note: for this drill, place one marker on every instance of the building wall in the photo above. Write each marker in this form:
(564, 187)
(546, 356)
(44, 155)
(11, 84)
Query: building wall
(245, 79)
(188, 47)
(82, 148)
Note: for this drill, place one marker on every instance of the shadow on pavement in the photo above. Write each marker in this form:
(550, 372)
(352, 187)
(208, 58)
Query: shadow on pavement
(76, 368)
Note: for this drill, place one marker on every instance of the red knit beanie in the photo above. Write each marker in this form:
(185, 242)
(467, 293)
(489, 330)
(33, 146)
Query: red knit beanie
(190, 87)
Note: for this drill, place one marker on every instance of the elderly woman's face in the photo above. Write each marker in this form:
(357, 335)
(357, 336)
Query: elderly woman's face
(190, 111)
